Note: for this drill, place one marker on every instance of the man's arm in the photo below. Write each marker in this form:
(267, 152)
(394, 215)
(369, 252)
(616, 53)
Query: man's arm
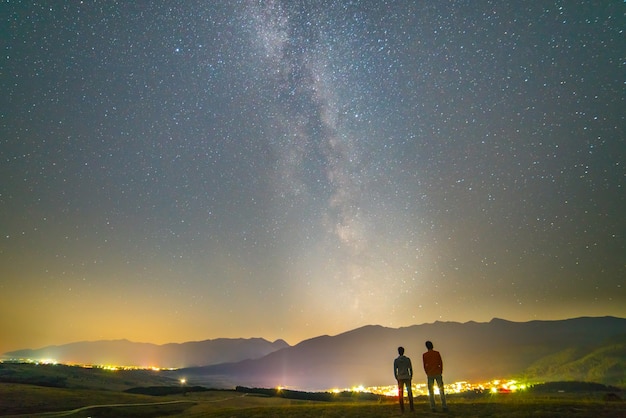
(440, 363)
(395, 369)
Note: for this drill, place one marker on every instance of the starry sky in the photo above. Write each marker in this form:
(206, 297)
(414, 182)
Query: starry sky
(184, 170)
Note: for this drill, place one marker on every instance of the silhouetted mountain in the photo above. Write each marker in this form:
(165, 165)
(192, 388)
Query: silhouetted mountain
(471, 351)
(124, 352)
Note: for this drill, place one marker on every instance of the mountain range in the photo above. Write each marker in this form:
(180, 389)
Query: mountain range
(127, 353)
(585, 349)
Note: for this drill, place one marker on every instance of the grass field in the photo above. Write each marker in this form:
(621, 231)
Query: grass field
(94, 393)
(17, 399)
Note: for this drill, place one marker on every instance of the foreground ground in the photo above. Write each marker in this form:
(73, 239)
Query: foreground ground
(29, 400)
(60, 391)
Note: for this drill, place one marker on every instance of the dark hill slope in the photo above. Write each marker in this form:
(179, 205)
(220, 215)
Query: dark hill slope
(471, 351)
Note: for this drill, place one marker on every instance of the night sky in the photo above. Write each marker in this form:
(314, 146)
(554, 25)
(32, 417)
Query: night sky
(184, 170)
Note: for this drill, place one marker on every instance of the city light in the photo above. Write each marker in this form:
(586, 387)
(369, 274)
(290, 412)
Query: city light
(109, 367)
(493, 386)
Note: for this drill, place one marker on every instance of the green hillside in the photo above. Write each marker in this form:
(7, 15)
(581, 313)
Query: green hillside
(605, 363)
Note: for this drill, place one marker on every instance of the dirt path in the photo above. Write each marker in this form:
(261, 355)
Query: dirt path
(117, 405)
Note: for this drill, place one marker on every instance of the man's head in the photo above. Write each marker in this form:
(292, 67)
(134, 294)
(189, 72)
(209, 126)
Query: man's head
(429, 345)
(401, 351)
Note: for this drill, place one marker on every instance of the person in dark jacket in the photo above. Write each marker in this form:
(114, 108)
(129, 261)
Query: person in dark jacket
(403, 372)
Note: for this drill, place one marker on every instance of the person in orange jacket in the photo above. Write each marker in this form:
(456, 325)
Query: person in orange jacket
(433, 366)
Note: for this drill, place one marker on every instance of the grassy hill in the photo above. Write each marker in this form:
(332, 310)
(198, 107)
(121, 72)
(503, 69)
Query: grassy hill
(605, 363)
(61, 376)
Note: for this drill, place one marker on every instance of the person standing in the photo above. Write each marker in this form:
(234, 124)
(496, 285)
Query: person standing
(433, 366)
(403, 372)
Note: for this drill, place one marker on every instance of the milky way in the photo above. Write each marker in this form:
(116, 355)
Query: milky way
(177, 171)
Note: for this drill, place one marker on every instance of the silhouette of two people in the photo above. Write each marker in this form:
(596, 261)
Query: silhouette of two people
(433, 366)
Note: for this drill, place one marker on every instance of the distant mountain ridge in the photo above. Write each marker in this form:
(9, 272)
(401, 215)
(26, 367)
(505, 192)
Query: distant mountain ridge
(590, 349)
(173, 355)
(586, 349)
